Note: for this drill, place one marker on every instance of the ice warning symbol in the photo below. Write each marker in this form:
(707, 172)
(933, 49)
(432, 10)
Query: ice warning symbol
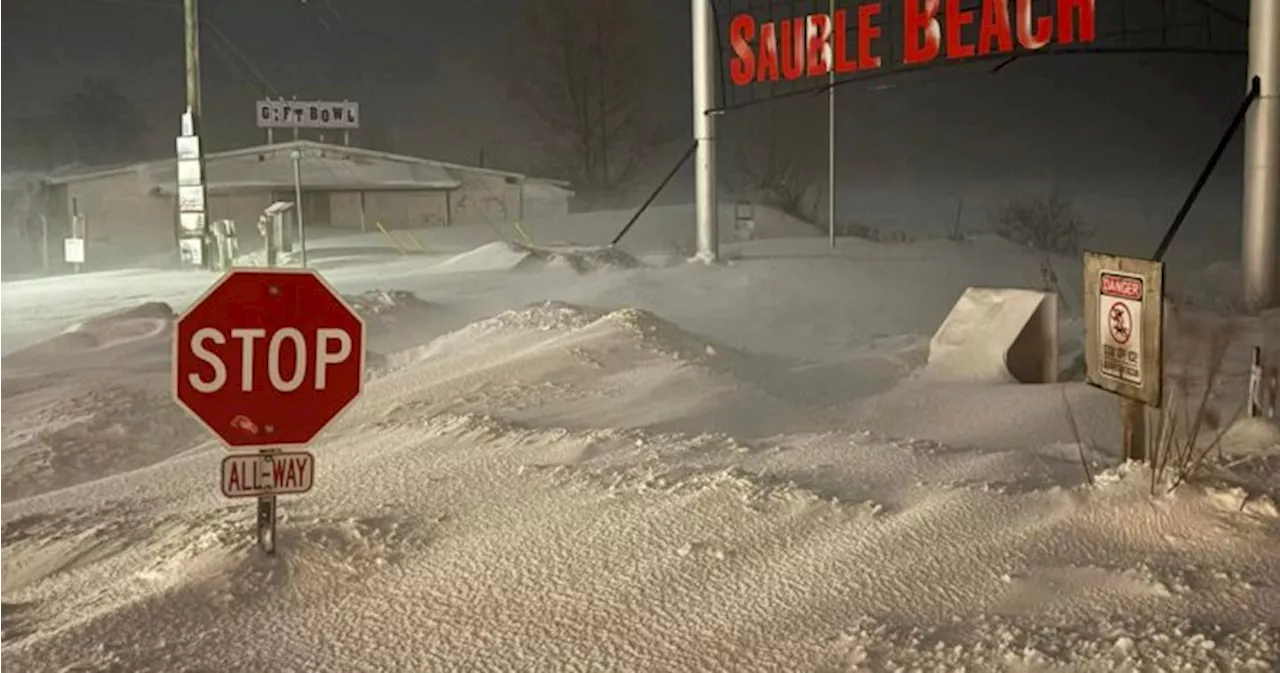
(1120, 322)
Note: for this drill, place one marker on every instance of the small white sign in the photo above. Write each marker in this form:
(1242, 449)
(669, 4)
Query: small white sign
(297, 114)
(189, 173)
(1120, 326)
(251, 475)
(191, 250)
(191, 223)
(188, 147)
(73, 250)
(191, 198)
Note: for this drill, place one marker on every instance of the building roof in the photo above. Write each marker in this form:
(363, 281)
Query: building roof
(323, 166)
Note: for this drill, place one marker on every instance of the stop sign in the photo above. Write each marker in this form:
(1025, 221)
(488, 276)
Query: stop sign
(268, 358)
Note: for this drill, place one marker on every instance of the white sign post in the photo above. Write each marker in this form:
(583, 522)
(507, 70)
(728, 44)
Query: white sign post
(1124, 316)
(297, 114)
(73, 250)
(315, 114)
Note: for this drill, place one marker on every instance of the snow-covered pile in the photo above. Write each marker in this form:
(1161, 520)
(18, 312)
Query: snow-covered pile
(581, 258)
(142, 329)
(91, 402)
(582, 367)
(381, 302)
(506, 256)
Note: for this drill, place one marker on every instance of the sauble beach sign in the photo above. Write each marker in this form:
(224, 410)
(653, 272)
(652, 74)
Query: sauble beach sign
(848, 40)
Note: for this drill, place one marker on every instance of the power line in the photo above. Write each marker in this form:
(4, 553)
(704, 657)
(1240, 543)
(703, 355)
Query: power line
(224, 47)
(253, 69)
(1224, 13)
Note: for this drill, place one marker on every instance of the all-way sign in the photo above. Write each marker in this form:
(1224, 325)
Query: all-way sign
(254, 475)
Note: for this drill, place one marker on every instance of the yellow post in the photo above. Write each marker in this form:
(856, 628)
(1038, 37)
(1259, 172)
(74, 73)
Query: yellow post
(393, 240)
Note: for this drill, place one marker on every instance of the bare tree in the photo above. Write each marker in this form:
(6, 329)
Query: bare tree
(781, 156)
(584, 70)
(103, 124)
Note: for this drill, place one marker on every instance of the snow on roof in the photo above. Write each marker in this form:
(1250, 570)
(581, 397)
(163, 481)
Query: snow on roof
(323, 166)
(320, 169)
(546, 189)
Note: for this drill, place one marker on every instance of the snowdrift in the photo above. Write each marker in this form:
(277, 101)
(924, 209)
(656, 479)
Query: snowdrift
(92, 402)
(141, 326)
(504, 256)
(575, 366)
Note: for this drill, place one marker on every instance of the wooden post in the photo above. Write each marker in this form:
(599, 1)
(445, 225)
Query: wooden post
(1134, 415)
(1254, 408)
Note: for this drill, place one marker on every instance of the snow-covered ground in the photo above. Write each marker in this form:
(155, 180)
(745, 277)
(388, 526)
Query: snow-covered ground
(574, 460)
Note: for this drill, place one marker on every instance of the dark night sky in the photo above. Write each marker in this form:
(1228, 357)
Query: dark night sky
(421, 69)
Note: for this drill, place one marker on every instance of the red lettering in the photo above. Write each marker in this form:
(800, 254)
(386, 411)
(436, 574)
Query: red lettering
(743, 63)
(819, 55)
(995, 26)
(1071, 10)
(923, 35)
(233, 480)
(867, 33)
(957, 19)
(1121, 286)
(767, 69)
(841, 43)
(279, 472)
(792, 48)
(1033, 33)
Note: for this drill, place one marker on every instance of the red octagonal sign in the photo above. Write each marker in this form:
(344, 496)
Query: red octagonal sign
(268, 358)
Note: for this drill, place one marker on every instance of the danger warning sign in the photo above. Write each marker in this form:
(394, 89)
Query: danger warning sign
(1121, 308)
(1123, 298)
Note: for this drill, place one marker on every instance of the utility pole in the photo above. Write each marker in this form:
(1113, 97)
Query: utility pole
(1262, 161)
(706, 210)
(191, 44)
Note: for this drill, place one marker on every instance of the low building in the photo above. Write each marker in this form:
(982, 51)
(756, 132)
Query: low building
(130, 211)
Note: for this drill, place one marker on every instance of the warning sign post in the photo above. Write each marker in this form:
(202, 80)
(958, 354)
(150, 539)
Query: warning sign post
(1123, 323)
(1123, 300)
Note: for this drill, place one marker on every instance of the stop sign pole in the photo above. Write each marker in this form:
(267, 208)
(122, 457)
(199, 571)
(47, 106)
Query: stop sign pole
(265, 360)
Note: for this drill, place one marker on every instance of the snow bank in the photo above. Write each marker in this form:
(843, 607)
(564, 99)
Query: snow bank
(577, 366)
(503, 256)
(91, 402)
(496, 256)
(140, 330)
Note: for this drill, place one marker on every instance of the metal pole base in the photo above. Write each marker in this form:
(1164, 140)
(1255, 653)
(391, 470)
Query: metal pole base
(267, 524)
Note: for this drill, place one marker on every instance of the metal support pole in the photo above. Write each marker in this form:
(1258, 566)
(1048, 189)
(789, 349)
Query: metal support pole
(267, 508)
(297, 206)
(1261, 235)
(704, 132)
(831, 126)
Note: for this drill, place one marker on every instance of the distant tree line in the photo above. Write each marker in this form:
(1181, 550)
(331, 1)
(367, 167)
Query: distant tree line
(601, 97)
(95, 125)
